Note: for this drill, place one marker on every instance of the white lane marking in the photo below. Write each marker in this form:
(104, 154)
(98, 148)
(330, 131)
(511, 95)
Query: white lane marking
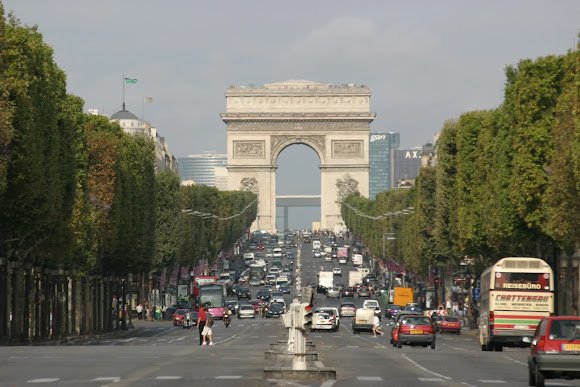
(113, 379)
(319, 364)
(425, 369)
(129, 339)
(353, 346)
(229, 377)
(255, 337)
(430, 379)
(369, 378)
(468, 385)
(177, 339)
(491, 381)
(44, 380)
(516, 361)
(328, 383)
(167, 377)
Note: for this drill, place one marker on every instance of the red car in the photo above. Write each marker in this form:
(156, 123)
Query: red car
(448, 324)
(555, 350)
(395, 329)
(416, 330)
(179, 316)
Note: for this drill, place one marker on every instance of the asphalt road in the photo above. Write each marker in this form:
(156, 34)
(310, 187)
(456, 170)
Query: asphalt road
(159, 354)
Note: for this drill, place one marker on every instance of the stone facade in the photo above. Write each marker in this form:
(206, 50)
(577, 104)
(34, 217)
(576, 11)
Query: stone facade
(332, 120)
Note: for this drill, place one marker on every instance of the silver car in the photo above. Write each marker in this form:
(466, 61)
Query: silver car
(333, 292)
(246, 311)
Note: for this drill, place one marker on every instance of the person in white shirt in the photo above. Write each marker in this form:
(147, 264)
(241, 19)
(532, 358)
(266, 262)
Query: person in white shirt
(377, 326)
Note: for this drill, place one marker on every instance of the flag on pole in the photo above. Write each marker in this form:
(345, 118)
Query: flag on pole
(147, 99)
(130, 81)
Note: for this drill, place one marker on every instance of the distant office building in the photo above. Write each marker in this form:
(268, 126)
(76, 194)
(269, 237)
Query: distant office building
(381, 146)
(406, 165)
(201, 167)
(221, 178)
(131, 124)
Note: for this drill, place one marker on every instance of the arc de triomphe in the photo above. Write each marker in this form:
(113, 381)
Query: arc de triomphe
(333, 120)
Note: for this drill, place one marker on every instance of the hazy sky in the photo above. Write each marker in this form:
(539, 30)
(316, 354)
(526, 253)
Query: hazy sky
(424, 61)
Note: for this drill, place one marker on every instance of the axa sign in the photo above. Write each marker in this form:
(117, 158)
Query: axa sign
(378, 137)
(413, 154)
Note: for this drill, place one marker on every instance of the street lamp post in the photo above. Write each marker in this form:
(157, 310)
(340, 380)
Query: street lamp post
(130, 309)
(123, 305)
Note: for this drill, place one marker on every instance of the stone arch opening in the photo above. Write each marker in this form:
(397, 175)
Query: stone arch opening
(298, 187)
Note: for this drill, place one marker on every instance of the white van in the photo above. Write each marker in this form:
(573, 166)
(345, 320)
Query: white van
(372, 304)
(316, 245)
(364, 320)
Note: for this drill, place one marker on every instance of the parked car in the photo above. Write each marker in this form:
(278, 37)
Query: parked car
(416, 330)
(337, 271)
(322, 321)
(555, 350)
(246, 311)
(448, 324)
(347, 309)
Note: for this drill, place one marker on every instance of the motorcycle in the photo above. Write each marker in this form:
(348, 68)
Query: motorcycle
(227, 320)
(187, 323)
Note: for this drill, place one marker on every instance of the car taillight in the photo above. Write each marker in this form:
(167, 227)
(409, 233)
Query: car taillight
(541, 345)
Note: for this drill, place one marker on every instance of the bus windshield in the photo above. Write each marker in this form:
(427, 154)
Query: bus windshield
(212, 296)
(522, 281)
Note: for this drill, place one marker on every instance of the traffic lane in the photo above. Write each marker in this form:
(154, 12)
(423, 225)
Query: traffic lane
(460, 358)
(126, 366)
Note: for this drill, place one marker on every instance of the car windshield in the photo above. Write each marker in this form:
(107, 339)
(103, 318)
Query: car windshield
(416, 321)
(246, 307)
(565, 330)
(276, 307)
(451, 319)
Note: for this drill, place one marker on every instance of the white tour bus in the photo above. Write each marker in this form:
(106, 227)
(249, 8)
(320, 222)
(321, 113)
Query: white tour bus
(515, 294)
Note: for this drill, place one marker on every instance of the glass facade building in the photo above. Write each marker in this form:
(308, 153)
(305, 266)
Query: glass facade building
(381, 146)
(406, 165)
(201, 167)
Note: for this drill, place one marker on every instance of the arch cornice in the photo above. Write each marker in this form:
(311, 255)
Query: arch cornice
(316, 142)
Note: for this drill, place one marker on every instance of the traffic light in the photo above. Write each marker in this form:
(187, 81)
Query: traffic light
(303, 317)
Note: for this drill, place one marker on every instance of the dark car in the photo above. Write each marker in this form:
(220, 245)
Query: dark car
(284, 289)
(416, 330)
(275, 310)
(555, 350)
(244, 293)
(263, 294)
(348, 292)
(392, 310)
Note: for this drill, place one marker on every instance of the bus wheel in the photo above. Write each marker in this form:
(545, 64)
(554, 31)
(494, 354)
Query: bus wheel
(483, 347)
(498, 347)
